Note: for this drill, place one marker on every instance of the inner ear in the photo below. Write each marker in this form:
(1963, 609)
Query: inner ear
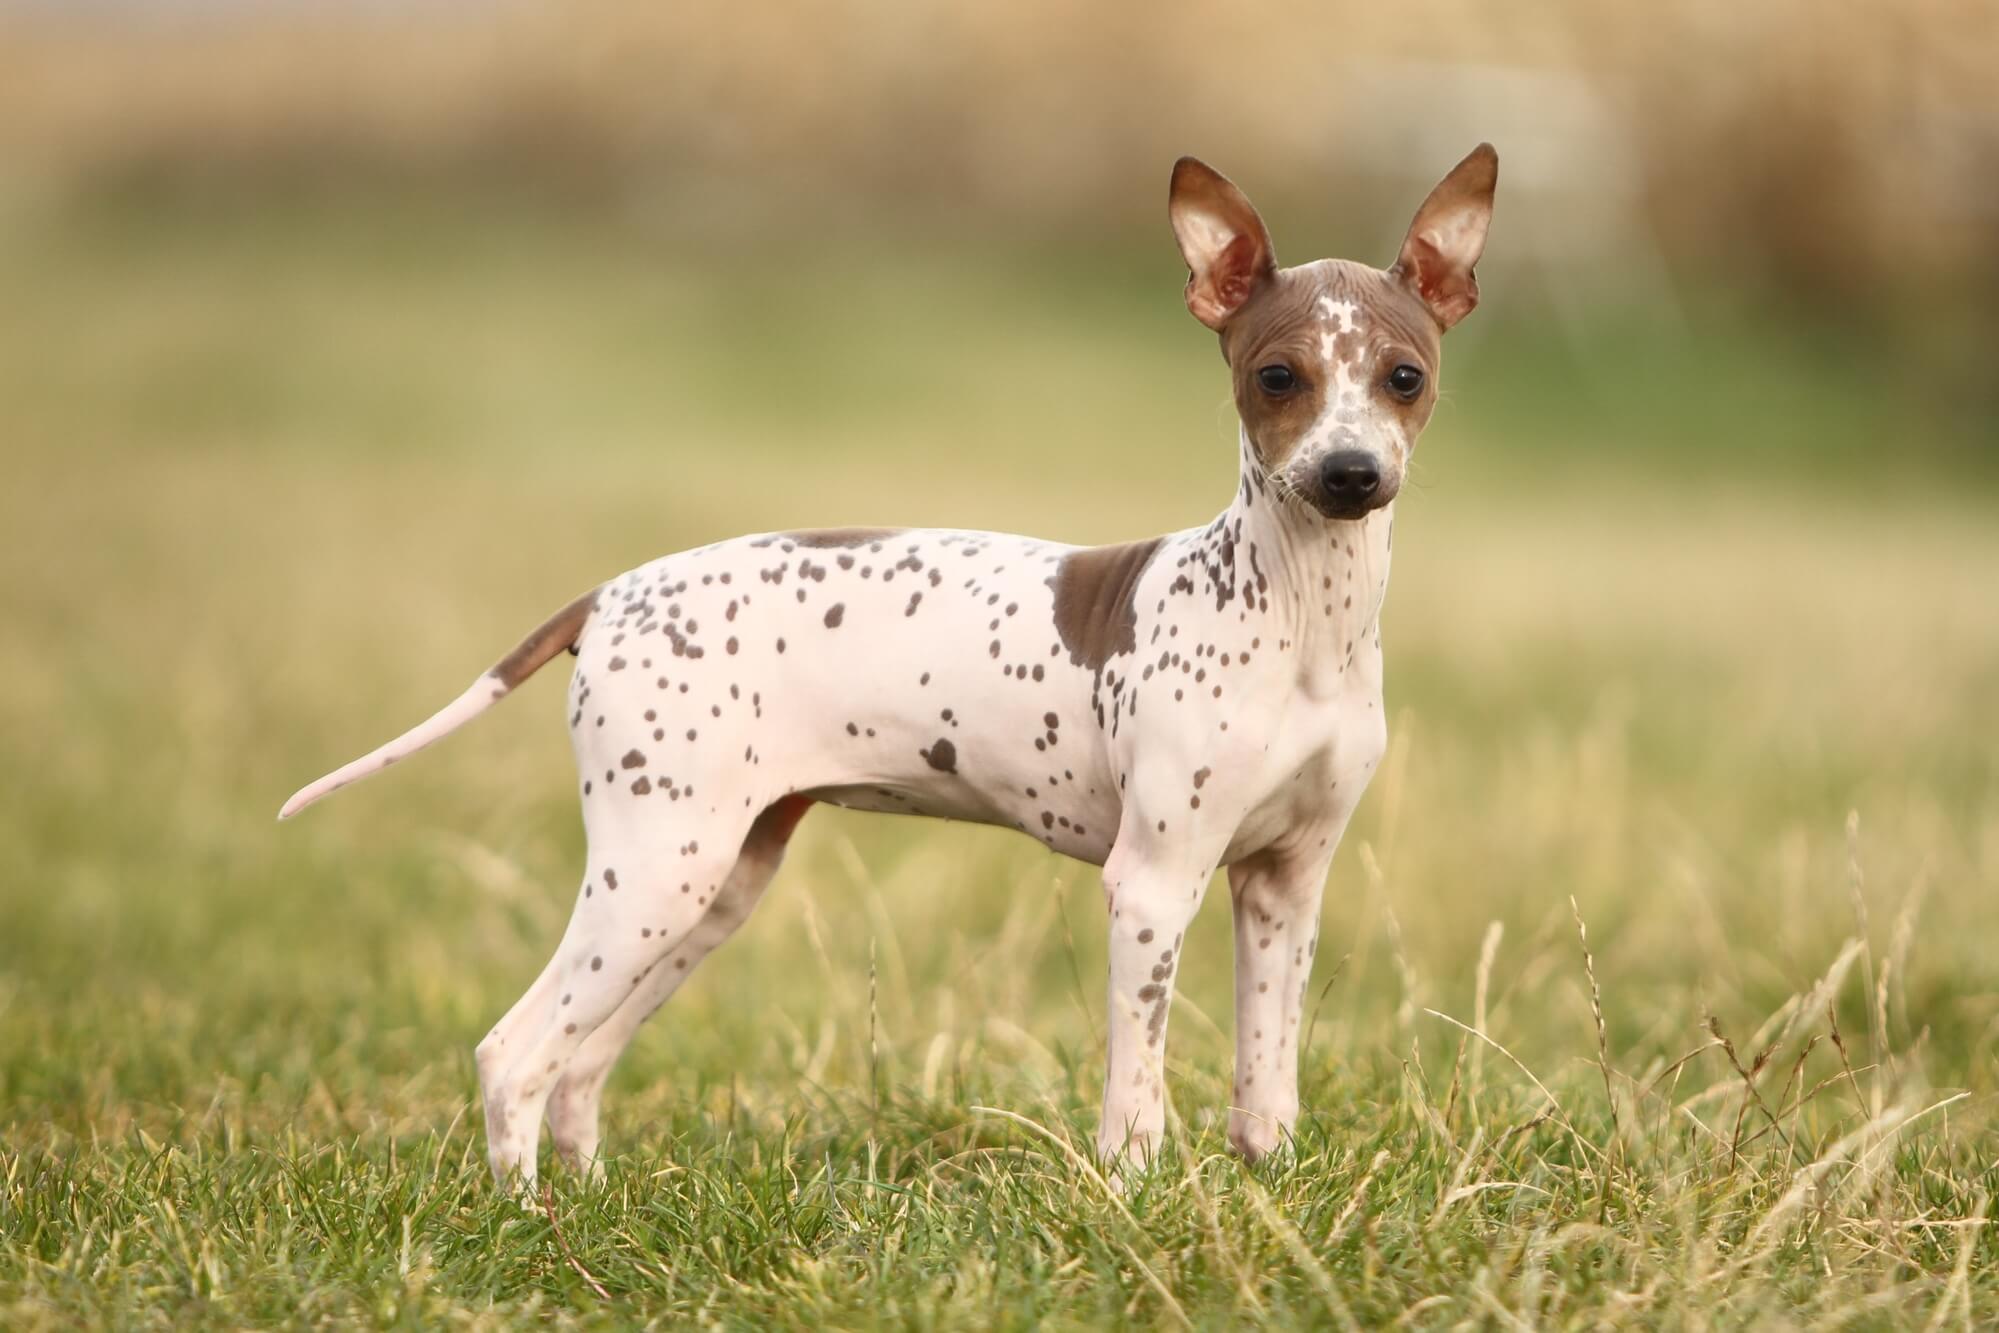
(1222, 238)
(1449, 289)
(1447, 237)
(1235, 273)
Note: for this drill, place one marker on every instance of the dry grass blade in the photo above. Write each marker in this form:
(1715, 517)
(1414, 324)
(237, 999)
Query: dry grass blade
(1751, 1096)
(1294, 1243)
(1089, 1172)
(1488, 953)
(1602, 1061)
(562, 1243)
(1845, 1061)
(1554, 1103)
(1856, 882)
(1878, 1132)
(1958, 1291)
(1596, 1012)
(1312, 1026)
(1356, 1201)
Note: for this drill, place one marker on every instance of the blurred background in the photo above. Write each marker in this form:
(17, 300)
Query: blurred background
(340, 343)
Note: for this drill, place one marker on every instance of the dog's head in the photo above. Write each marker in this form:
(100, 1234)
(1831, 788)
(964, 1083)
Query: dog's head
(1335, 363)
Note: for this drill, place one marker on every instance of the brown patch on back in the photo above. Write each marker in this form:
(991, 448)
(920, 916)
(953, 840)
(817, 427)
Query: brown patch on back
(1095, 609)
(821, 538)
(557, 633)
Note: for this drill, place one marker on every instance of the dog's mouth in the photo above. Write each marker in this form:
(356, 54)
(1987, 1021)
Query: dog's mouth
(1343, 510)
(1347, 507)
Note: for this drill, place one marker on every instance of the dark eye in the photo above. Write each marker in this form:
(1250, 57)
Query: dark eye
(1277, 379)
(1405, 381)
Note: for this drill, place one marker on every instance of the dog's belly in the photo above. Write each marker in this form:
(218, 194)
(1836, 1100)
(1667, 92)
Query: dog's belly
(1085, 842)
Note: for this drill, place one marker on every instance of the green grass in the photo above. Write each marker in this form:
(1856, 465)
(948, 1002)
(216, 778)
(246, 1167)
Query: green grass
(275, 482)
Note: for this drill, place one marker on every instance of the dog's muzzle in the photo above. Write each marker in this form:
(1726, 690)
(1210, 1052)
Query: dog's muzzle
(1349, 484)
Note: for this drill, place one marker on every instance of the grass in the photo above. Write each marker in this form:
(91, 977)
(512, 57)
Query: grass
(275, 482)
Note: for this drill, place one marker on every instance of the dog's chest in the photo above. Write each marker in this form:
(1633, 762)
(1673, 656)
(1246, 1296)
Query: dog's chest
(1315, 765)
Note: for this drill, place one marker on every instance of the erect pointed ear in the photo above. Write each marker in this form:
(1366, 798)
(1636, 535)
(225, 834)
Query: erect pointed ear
(1448, 236)
(1223, 240)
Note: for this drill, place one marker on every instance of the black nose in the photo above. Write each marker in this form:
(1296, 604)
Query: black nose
(1350, 476)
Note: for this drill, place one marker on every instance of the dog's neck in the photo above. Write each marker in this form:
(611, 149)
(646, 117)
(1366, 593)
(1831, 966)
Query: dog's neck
(1322, 580)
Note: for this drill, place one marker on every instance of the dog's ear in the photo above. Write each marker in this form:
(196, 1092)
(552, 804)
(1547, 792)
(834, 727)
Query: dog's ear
(1448, 235)
(1225, 243)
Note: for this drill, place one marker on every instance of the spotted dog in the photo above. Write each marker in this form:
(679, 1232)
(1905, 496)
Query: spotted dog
(1208, 698)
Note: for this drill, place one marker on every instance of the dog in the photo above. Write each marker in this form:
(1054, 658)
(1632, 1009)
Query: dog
(1159, 708)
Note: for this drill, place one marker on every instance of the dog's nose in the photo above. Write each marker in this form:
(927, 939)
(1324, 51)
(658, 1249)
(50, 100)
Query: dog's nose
(1350, 476)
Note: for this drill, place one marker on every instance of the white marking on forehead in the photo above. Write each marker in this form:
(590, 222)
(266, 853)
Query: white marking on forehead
(1340, 317)
(1344, 316)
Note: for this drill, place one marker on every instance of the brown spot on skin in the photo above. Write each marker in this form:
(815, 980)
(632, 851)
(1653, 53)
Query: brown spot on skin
(642, 786)
(835, 614)
(632, 759)
(824, 538)
(1095, 612)
(942, 756)
(560, 631)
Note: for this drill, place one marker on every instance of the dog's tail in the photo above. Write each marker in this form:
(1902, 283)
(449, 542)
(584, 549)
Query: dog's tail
(558, 632)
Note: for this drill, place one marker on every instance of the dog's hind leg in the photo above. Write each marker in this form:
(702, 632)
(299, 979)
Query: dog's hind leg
(648, 886)
(573, 1108)
(522, 1022)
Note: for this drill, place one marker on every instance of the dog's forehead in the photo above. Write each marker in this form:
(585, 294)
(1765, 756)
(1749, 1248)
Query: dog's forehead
(1337, 309)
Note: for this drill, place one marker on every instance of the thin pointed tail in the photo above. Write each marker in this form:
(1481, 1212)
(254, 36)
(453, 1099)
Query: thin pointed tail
(558, 632)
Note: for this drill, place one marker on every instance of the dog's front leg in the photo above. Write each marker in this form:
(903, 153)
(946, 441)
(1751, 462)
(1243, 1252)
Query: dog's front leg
(1276, 896)
(1152, 888)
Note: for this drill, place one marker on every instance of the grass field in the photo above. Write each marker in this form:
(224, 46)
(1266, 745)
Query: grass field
(1660, 646)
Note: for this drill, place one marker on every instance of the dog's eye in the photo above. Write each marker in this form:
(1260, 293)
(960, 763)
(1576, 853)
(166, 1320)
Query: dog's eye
(1405, 381)
(1277, 379)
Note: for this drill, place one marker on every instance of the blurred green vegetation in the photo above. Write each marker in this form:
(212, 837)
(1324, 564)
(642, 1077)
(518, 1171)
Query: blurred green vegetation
(193, 319)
